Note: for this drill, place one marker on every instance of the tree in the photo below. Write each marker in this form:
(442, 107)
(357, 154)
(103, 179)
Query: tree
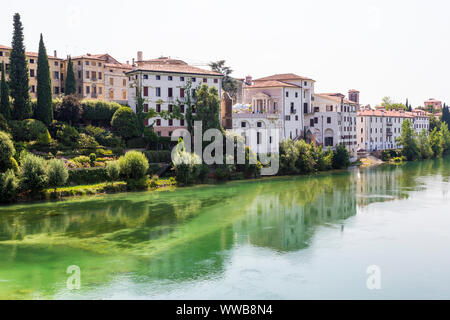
(434, 123)
(113, 171)
(408, 142)
(8, 186)
(208, 108)
(229, 84)
(70, 85)
(125, 123)
(57, 173)
(424, 145)
(446, 115)
(44, 108)
(18, 74)
(436, 142)
(341, 157)
(445, 134)
(5, 107)
(69, 110)
(7, 151)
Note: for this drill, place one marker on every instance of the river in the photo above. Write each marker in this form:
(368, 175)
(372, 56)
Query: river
(299, 237)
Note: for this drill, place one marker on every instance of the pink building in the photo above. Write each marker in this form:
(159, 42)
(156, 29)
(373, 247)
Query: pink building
(437, 105)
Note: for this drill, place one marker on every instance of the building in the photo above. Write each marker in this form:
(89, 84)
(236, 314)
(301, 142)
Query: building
(421, 120)
(57, 67)
(436, 104)
(275, 110)
(162, 83)
(379, 129)
(353, 95)
(89, 76)
(333, 122)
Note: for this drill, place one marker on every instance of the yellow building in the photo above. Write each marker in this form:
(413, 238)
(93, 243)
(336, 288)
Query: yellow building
(56, 70)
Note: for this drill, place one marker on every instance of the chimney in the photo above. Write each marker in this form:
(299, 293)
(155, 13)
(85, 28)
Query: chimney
(248, 80)
(139, 56)
(55, 54)
(133, 62)
(128, 63)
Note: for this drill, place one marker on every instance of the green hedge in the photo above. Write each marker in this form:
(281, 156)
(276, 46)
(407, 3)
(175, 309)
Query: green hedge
(97, 110)
(27, 130)
(87, 176)
(158, 156)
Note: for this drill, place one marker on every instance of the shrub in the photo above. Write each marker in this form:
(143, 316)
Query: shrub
(323, 160)
(88, 176)
(87, 143)
(104, 137)
(133, 166)
(113, 171)
(223, 172)
(7, 151)
(84, 161)
(4, 124)
(124, 123)
(92, 158)
(185, 165)
(136, 143)
(67, 135)
(98, 110)
(57, 173)
(158, 156)
(341, 157)
(305, 162)
(153, 168)
(8, 186)
(28, 130)
(33, 173)
(252, 166)
(69, 110)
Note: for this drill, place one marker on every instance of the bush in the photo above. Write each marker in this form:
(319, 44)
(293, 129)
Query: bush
(125, 123)
(113, 170)
(67, 135)
(252, 166)
(87, 143)
(99, 111)
(104, 137)
(341, 157)
(4, 124)
(33, 173)
(137, 143)
(28, 130)
(92, 158)
(133, 166)
(84, 161)
(57, 173)
(8, 186)
(185, 165)
(158, 156)
(305, 162)
(69, 110)
(7, 151)
(87, 176)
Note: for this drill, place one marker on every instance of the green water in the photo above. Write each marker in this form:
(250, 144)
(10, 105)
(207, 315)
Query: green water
(278, 238)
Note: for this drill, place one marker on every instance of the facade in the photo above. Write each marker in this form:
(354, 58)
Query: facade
(89, 76)
(57, 67)
(275, 110)
(162, 82)
(436, 104)
(333, 122)
(420, 120)
(379, 129)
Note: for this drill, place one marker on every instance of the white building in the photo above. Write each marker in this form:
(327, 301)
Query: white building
(333, 122)
(379, 129)
(420, 119)
(162, 82)
(276, 107)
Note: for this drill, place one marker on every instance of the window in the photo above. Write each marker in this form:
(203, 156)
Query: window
(170, 92)
(31, 60)
(111, 94)
(87, 63)
(216, 80)
(182, 122)
(170, 78)
(259, 124)
(88, 74)
(288, 118)
(158, 108)
(287, 94)
(205, 80)
(182, 108)
(158, 77)
(100, 90)
(32, 73)
(99, 64)
(158, 92)
(328, 141)
(158, 122)
(111, 81)
(182, 79)
(56, 75)
(32, 89)
(79, 74)
(124, 82)
(56, 63)
(296, 94)
(311, 122)
(145, 77)
(100, 75)
(170, 122)
(145, 91)
(258, 138)
(243, 124)
(329, 108)
(79, 90)
(56, 90)
(94, 64)
(145, 107)
(79, 63)
(124, 95)
(170, 108)
(94, 75)
(328, 120)
(316, 120)
(193, 79)
(88, 89)
(182, 93)
(158, 133)
(296, 118)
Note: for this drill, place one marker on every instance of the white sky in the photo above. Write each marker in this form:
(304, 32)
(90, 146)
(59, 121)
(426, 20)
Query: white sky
(391, 48)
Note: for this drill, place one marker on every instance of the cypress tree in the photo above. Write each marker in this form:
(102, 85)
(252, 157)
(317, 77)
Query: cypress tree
(446, 115)
(44, 110)
(5, 108)
(18, 74)
(70, 86)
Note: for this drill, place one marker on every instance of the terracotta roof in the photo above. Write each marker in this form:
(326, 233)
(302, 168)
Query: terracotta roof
(272, 84)
(384, 113)
(176, 68)
(335, 97)
(118, 65)
(162, 60)
(89, 56)
(284, 76)
(4, 47)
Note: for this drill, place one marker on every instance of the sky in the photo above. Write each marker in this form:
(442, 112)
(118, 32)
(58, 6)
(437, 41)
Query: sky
(381, 48)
